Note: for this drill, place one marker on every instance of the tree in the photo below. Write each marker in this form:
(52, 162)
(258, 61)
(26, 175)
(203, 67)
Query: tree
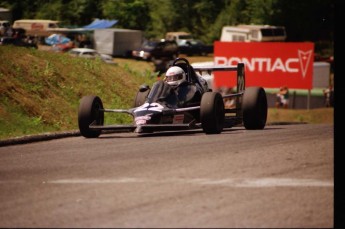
(162, 18)
(260, 12)
(131, 14)
(304, 20)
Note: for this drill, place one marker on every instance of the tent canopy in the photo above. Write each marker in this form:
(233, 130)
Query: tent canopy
(101, 24)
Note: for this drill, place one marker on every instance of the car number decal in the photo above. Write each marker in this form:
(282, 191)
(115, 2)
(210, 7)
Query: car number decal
(150, 107)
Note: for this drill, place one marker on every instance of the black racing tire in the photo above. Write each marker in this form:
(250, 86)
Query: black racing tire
(89, 112)
(140, 98)
(254, 107)
(212, 113)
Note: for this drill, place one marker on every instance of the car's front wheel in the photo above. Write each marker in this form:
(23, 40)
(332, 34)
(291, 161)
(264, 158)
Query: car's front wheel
(90, 112)
(212, 113)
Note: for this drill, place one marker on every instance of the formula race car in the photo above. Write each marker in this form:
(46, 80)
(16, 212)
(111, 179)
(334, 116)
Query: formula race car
(189, 104)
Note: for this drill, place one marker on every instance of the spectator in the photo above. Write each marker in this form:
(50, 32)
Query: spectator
(84, 42)
(328, 95)
(229, 103)
(4, 26)
(9, 32)
(283, 98)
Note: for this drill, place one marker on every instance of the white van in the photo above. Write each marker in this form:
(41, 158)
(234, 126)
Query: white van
(178, 36)
(253, 33)
(36, 27)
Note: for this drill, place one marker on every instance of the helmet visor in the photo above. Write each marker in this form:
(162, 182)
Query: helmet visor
(174, 77)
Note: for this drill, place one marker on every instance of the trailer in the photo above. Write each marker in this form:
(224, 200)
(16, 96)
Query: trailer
(37, 27)
(117, 42)
(253, 33)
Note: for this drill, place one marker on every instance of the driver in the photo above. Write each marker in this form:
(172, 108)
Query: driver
(175, 75)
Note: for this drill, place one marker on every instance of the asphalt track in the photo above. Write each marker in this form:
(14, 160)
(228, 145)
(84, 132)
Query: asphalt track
(282, 176)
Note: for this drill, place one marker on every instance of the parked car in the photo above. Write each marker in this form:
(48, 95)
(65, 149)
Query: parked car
(178, 36)
(194, 47)
(151, 50)
(63, 47)
(91, 54)
(17, 42)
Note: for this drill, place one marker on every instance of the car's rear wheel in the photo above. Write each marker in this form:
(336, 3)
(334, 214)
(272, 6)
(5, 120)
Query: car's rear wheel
(212, 113)
(254, 108)
(90, 112)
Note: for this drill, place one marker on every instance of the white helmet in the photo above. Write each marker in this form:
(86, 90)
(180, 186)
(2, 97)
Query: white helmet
(175, 75)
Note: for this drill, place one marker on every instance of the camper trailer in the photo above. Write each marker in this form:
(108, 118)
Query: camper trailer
(36, 27)
(253, 33)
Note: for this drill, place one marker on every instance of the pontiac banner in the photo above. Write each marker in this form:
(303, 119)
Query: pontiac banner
(267, 64)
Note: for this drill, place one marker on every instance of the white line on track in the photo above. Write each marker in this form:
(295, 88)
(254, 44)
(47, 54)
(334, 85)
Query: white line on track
(248, 183)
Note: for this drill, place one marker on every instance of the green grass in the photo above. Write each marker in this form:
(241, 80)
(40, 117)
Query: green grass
(312, 116)
(40, 90)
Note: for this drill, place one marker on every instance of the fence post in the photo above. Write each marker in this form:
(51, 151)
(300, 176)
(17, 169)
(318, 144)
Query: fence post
(293, 99)
(308, 99)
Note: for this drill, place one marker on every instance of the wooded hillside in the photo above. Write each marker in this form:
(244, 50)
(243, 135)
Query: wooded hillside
(304, 20)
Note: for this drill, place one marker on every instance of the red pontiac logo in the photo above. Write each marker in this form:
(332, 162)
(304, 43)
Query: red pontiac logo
(267, 64)
(37, 26)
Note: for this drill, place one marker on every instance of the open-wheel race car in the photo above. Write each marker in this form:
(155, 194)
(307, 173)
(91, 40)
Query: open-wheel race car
(186, 104)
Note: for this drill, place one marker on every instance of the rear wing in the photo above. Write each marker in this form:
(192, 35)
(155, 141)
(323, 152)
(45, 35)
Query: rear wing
(240, 73)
